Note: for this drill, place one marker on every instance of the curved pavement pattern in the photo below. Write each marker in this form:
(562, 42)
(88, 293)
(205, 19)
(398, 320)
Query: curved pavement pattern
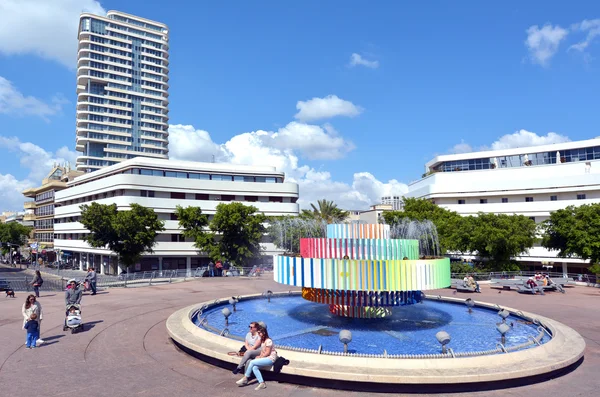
(126, 350)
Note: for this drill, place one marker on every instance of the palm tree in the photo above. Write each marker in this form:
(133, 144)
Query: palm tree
(326, 211)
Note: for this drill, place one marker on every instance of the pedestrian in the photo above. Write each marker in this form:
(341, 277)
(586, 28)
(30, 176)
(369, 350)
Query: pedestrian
(33, 331)
(219, 268)
(251, 345)
(267, 357)
(31, 306)
(37, 283)
(73, 294)
(91, 278)
(211, 269)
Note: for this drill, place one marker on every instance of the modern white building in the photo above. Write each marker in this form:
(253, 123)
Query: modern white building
(122, 89)
(530, 181)
(162, 185)
(394, 201)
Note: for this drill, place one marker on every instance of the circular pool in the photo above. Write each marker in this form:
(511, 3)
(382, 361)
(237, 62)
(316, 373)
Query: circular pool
(409, 330)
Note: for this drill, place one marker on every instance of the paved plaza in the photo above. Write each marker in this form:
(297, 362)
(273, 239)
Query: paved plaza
(126, 350)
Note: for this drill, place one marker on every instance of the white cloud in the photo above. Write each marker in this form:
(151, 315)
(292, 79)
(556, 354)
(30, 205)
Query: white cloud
(543, 43)
(324, 108)
(47, 28)
(524, 138)
(38, 161)
(268, 148)
(313, 141)
(13, 102)
(11, 192)
(461, 147)
(592, 27)
(521, 138)
(358, 60)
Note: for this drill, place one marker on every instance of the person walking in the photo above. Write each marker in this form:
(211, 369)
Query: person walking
(73, 294)
(91, 278)
(267, 357)
(31, 306)
(252, 345)
(211, 269)
(36, 283)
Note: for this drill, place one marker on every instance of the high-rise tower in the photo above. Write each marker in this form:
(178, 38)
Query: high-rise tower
(122, 89)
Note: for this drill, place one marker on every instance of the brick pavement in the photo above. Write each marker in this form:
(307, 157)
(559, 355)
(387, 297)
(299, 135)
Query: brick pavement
(127, 351)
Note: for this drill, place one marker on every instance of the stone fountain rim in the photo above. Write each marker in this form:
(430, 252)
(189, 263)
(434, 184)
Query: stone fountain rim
(564, 349)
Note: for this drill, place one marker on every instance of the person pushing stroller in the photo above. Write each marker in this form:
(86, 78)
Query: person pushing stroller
(72, 297)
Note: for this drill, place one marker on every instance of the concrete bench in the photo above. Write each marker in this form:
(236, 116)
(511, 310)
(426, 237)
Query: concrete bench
(507, 283)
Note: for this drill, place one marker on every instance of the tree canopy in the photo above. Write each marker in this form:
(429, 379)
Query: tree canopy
(129, 233)
(496, 238)
(236, 231)
(574, 231)
(448, 223)
(13, 233)
(326, 211)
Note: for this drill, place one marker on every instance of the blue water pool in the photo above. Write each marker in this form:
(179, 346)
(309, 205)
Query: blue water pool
(293, 321)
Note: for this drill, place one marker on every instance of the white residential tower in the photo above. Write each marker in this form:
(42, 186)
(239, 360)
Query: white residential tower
(122, 89)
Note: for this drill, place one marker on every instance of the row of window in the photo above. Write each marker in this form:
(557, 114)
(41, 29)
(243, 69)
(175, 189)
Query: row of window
(44, 224)
(565, 156)
(136, 22)
(204, 176)
(527, 199)
(48, 195)
(219, 197)
(179, 196)
(45, 210)
(44, 237)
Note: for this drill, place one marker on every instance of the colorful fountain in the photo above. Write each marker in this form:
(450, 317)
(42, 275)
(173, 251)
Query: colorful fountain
(359, 271)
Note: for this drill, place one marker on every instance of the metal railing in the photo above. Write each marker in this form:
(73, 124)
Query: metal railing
(586, 278)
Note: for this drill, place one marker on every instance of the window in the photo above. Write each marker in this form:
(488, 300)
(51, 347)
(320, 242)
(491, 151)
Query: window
(581, 197)
(147, 193)
(174, 216)
(505, 200)
(227, 197)
(553, 198)
(217, 177)
(177, 238)
(482, 201)
(532, 218)
(180, 196)
(199, 176)
(529, 199)
(201, 196)
(251, 198)
(275, 199)
(270, 180)
(260, 179)
(461, 201)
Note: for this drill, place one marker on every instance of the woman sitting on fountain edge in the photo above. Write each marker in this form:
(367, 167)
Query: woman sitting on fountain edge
(267, 357)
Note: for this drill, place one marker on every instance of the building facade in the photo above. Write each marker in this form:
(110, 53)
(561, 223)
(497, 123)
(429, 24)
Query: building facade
(394, 201)
(529, 181)
(39, 212)
(122, 89)
(162, 185)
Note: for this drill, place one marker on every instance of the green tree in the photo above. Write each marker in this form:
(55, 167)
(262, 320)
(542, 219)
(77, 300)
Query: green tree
(14, 234)
(452, 233)
(129, 233)
(499, 237)
(574, 231)
(235, 233)
(193, 222)
(326, 211)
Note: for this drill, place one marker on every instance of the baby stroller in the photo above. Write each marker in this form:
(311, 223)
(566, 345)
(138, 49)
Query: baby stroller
(73, 319)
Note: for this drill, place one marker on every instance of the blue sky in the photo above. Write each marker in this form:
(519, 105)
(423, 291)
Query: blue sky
(430, 76)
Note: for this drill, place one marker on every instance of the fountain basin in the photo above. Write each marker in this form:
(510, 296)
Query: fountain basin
(563, 350)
